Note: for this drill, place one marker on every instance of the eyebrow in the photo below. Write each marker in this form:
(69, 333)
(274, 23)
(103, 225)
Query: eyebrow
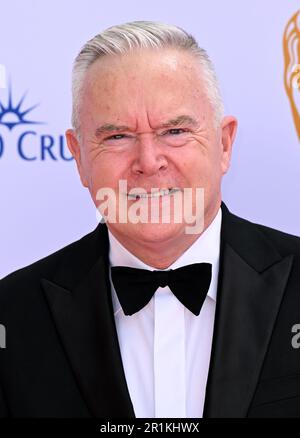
(177, 121)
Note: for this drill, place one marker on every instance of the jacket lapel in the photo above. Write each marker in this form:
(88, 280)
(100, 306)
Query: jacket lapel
(251, 285)
(80, 301)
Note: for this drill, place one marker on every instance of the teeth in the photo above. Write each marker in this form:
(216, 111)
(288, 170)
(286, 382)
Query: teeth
(162, 192)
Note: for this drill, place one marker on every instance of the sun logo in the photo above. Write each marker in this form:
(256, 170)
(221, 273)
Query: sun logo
(12, 115)
(291, 49)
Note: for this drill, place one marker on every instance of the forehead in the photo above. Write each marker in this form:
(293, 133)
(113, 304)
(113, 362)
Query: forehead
(155, 81)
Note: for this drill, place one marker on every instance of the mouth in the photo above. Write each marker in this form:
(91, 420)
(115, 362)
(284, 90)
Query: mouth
(154, 193)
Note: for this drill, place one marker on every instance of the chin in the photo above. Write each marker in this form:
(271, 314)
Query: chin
(154, 232)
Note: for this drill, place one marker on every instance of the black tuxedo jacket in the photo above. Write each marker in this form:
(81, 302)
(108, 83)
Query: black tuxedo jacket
(62, 357)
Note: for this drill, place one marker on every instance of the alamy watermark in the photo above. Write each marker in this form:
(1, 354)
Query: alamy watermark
(296, 337)
(2, 336)
(157, 206)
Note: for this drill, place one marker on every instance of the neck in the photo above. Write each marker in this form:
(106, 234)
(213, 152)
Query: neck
(161, 255)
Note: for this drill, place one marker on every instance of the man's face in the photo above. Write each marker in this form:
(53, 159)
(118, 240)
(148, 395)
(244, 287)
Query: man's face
(143, 91)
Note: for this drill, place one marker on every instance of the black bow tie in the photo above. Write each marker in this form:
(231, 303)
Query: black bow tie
(135, 287)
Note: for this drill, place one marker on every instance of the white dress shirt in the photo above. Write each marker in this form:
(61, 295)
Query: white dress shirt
(165, 348)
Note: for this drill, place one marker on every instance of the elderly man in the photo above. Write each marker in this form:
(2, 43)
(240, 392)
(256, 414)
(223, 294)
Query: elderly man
(187, 317)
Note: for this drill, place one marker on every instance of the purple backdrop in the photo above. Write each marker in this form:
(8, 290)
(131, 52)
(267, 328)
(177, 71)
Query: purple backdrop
(43, 206)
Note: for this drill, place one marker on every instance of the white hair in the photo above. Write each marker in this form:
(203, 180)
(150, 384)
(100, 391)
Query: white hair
(123, 38)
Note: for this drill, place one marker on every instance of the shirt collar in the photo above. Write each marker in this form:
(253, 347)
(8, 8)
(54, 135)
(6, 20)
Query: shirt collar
(205, 249)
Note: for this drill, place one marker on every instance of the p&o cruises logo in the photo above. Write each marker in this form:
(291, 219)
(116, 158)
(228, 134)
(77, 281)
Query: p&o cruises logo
(30, 144)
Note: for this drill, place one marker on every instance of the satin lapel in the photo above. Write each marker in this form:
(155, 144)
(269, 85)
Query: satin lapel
(250, 291)
(84, 319)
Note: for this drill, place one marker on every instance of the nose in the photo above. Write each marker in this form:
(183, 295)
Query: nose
(149, 159)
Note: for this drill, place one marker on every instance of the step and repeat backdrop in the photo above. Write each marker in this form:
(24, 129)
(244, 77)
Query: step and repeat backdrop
(255, 46)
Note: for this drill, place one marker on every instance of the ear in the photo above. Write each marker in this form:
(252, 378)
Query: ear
(74, 148)
(228, 133)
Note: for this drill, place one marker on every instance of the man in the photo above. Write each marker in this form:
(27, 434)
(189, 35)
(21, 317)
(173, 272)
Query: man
(152, 318)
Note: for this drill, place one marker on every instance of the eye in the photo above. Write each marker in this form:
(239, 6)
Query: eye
(175, 131)
(115, 137)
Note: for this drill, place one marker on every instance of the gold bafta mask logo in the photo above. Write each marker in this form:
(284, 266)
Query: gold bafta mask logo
(291, 49)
